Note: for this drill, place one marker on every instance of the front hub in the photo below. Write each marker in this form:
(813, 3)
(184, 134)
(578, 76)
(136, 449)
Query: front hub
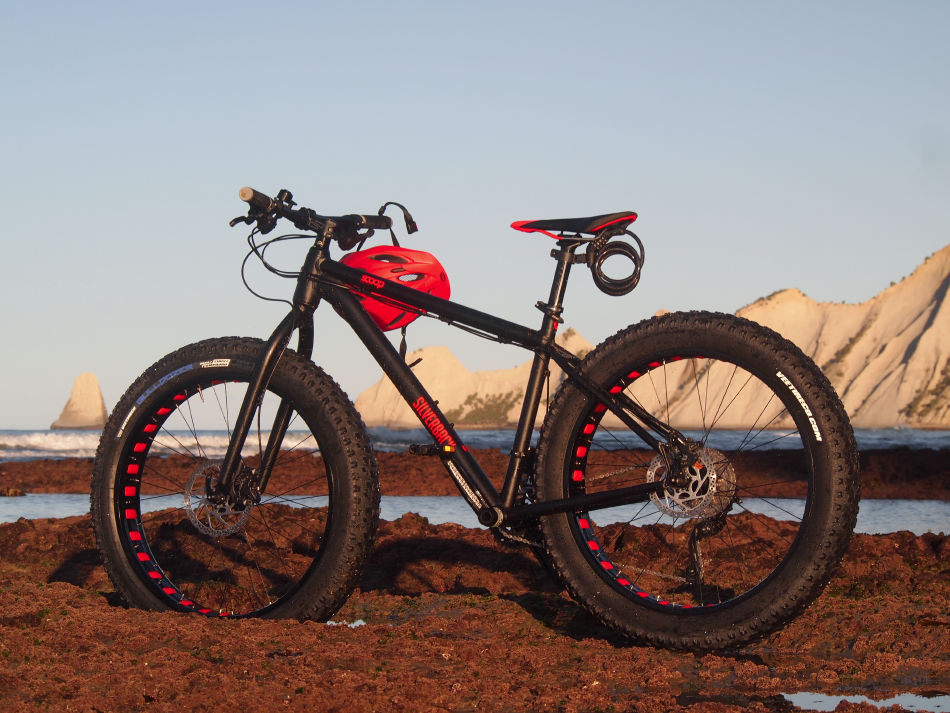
(212, 512)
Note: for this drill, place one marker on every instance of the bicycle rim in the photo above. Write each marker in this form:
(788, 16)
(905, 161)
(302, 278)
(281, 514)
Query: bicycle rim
(199, 555)
(738, 510)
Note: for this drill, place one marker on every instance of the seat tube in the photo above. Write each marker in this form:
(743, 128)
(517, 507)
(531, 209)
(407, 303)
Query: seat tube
(539, 369)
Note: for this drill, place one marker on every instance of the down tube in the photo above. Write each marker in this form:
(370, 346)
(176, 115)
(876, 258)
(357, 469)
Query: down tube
(477, 489)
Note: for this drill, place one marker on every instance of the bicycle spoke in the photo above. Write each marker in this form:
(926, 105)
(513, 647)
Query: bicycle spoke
(708, 538)
(228, 558)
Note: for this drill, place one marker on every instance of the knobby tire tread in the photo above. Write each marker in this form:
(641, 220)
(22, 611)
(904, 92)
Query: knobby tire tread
(353, 540)
(693, 634)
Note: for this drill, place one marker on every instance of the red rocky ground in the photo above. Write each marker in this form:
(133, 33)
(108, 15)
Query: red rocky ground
(453, 621)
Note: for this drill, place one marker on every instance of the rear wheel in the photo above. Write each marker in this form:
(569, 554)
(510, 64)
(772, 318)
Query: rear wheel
(752, 517)
(170, 541)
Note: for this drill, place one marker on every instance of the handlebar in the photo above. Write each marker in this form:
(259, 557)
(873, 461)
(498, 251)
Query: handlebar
(371, 222)
(268, 209)
(256, 199)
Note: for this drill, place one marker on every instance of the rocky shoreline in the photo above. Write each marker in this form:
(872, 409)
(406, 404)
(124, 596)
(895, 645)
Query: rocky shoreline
(448, 619)
(895, 473)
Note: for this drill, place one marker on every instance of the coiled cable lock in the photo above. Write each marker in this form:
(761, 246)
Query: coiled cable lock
(601, 249)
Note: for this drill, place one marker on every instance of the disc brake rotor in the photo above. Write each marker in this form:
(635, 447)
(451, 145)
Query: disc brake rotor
(210, 513)
(704, 488)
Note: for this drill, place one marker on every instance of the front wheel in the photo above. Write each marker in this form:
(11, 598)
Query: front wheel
(751, 516)
(168, 538)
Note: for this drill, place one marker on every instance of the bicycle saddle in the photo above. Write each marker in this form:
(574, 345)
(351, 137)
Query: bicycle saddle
(591, 226)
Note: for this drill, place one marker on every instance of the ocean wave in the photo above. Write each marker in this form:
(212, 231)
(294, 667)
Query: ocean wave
(36, 445)
(32, 445)
(16, 445)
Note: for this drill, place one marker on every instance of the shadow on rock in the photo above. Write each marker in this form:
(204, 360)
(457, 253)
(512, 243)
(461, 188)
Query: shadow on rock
(78, 568)
(414, 565)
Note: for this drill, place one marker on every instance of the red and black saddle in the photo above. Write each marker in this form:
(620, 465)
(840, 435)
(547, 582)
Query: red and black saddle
(589, 226)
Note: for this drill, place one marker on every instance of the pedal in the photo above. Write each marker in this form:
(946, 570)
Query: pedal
(425, 449)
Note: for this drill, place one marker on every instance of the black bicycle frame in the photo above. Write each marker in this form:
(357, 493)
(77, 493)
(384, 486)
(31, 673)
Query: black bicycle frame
(338, 284)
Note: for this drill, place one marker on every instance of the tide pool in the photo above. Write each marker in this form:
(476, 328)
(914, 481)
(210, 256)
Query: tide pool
(874, 517)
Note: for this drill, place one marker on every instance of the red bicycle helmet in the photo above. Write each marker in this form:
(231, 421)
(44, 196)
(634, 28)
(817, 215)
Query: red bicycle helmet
(412, 268)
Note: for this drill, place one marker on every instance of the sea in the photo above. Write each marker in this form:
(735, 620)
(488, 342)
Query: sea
(22, 445)
(875, 516)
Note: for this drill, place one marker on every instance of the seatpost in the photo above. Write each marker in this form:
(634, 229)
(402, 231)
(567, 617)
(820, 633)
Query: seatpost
(564, 254)
(565, 258)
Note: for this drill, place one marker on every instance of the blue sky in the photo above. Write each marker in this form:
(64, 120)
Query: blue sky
(765, 145)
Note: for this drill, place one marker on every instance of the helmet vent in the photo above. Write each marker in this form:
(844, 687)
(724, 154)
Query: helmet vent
(389, 258)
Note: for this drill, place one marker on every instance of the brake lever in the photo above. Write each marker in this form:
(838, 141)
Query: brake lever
(265, 221)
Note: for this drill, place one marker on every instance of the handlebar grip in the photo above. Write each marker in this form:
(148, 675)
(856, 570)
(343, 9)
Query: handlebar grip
(258, 200)
(373, 222)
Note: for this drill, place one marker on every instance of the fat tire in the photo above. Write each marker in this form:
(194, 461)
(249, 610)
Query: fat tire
(823, 533)
(141, 561)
